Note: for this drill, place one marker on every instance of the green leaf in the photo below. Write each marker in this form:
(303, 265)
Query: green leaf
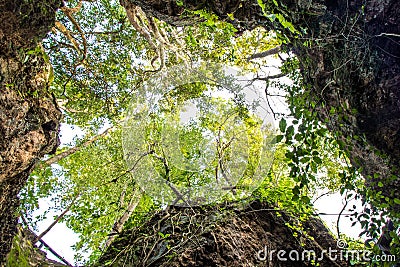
(296, 191)
(262, 5)
(304, 159)
(305, 199)
(290, 131)
(285, 23)
(317, 160)
(298, 137)
(282, 125)
(279, 138)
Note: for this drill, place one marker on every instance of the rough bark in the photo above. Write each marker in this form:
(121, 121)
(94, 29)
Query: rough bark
(357, 72)
(29, 117)
(247, 14)
(220, 236)
(352, 65)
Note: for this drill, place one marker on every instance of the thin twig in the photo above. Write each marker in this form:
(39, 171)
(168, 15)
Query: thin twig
(33, 234)
(59, 217)
(72, 150)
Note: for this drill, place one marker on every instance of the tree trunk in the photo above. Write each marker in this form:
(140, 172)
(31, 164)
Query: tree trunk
(351, 65)
(29, 117)
(358, 74)
(224, 236)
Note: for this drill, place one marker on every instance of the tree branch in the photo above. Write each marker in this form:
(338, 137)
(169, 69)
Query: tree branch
(269, 52)
(61, 258)
(276, 76)
(72, 150)
(119, 224)
(33, 236)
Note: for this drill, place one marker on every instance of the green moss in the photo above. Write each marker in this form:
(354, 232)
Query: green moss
(18, 256)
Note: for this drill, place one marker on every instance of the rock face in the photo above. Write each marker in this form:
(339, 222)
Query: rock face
(221, 236)
(29, 117)
(358, 74)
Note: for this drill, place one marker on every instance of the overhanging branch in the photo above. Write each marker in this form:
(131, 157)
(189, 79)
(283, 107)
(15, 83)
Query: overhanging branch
(269, 52)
